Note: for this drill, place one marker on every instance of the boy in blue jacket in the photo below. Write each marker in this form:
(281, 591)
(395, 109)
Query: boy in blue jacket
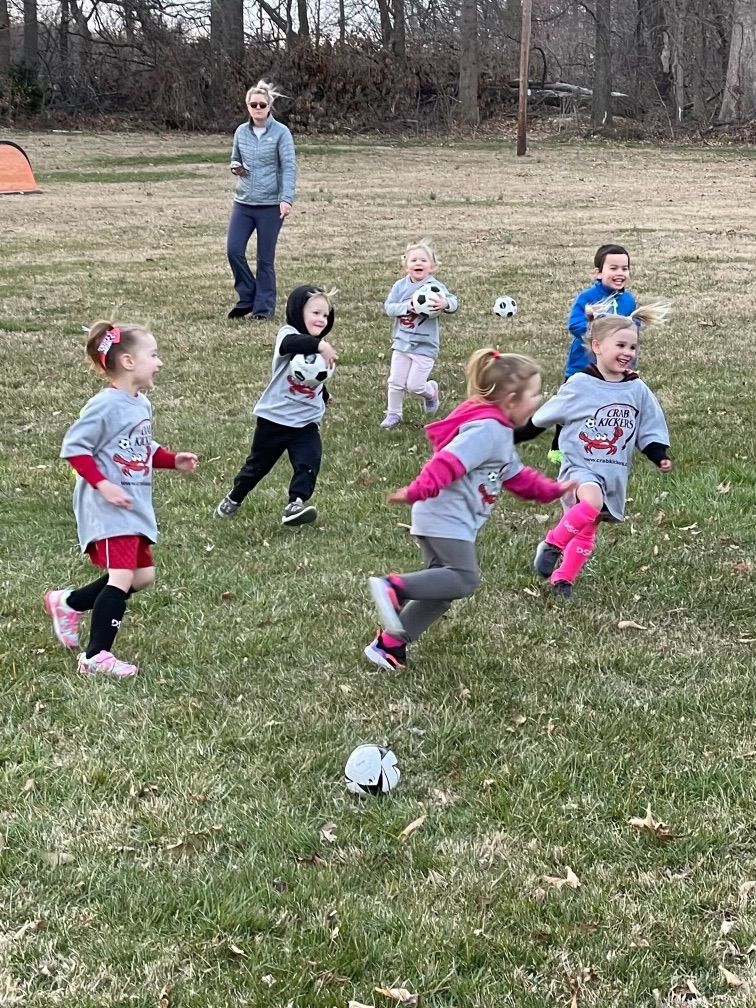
(612, 272)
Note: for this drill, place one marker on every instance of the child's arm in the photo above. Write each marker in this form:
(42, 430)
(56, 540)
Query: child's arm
(452, 301)
(527, 432)
(438, 472)
(577, 320)
(164, 459)
(392, 306)
(296, 343)
(653, 434)
(530, 484)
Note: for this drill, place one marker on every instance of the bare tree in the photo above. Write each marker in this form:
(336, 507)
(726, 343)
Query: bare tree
(601, 109)
(739, 100)
(31, 35)
(4, 39)
(468, 63)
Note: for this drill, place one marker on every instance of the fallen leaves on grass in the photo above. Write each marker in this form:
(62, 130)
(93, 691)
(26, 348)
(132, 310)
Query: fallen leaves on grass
(400, 994)
(314, 859)
(571, 881)
(191, 843)
(31, 927)
(328, 832)
(732, 979)
(358, 1004)
(411, 828)
(56, 859)
(628, 624)
(656, 828)
(164, 1000)
(236, 950)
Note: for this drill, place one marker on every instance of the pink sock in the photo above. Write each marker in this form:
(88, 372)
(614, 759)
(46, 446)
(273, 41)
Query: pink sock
(396, 580)
(576, 555)
(573, 522)
(390, 641)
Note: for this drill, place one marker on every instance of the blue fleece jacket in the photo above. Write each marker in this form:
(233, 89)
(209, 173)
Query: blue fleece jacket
(270, 162)
(623, 302)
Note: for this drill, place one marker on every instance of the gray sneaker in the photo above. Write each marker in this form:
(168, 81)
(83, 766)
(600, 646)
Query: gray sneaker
(562, 589)
(227, 508)
(546, 559)
(298, 513)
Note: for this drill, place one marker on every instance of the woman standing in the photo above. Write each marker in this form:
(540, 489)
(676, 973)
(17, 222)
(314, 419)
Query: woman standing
(264, 162)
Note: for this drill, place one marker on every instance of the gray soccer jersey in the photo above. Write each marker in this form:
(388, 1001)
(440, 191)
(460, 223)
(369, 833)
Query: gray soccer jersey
(486, 449)
(602, 422)
(415, 333)
(116, 429)
(285, 401)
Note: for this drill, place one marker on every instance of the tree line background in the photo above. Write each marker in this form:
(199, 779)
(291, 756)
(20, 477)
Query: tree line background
(663, 66)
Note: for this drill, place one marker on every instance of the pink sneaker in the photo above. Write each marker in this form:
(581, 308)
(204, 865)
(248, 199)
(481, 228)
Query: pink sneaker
(65, 620)
(107, 663)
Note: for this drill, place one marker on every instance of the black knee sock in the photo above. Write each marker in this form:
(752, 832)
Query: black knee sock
(107, 614)
(83, 599)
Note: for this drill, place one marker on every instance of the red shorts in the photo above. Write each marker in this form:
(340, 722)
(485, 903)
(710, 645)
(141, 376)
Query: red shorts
(121, 552)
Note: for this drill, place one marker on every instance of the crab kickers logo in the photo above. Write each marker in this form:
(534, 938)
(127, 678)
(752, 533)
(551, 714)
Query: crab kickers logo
(134, 451)
(609, 431)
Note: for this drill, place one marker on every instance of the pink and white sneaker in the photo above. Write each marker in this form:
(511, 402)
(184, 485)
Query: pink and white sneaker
(107, 664)
(65, 620)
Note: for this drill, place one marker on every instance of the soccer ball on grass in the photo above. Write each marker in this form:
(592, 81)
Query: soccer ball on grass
(505, 306)
(371, 770)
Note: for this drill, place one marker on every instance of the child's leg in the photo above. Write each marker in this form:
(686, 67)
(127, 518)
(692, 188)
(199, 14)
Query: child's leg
(397, 380)
(451, 572)
(108, 611)
(305, 451)
(576, 555)
(418, 374)
(83, 599)
(579, 516)
(268, 444)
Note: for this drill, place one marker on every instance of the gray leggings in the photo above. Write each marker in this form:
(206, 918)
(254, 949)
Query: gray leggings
(451, 572)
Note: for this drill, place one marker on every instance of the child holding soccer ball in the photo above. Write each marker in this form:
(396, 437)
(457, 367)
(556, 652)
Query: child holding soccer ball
(289, 413)
(474, 458)
(415, 335)
(111, 449)
(605, 411)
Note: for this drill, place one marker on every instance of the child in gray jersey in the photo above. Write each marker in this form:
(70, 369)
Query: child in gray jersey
(454, 495)
(289, 414)
(111, 449)
(415, 338)
(604, 412)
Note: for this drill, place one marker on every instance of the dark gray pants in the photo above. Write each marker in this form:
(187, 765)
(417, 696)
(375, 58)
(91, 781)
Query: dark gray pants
(255, 294)
(451, 572)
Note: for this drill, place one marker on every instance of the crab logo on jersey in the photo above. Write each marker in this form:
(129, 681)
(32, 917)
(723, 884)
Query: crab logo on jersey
(489, 491)
(610, 429)
(134, 451)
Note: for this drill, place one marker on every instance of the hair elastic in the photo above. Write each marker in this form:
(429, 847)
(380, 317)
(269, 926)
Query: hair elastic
(113, 335)
(495, 354)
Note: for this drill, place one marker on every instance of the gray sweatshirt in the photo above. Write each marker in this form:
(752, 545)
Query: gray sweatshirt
(116, 429)
(602, 422)
(413, 333)
(486, 449)
(270, 161)
(284, 401)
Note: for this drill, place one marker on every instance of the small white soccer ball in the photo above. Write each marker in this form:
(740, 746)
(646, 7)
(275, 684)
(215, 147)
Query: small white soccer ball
(421, 296)
(371, 770)
(310, 370)
(505, 306)
(124, 443)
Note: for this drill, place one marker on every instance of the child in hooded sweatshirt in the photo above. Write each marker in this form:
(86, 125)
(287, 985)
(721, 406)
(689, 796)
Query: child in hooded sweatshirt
(474, 457)
(288, 413)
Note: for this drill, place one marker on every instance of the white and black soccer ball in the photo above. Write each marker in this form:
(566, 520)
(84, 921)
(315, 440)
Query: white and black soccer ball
(505, 306)
(124, 444)
(371, 770)
(423, 294)
(310, 370)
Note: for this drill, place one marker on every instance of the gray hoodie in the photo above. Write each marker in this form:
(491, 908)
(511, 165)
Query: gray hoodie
(116, 429)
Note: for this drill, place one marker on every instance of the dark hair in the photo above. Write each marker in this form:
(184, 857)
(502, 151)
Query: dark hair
(606, 250)
(105, 361)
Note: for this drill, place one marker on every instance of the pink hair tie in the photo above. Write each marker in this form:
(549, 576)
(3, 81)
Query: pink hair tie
(495, 354)
(113, 335)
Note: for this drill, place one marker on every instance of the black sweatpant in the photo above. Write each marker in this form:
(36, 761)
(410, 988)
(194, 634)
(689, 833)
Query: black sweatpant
(269, 442)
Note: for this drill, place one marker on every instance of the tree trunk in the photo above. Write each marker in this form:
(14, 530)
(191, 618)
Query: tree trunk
(4, 39)
(468, 63)
(31, 35)
(342, 22)
(601, 115)
(739, 100)
(653, 82)
(63, 49)
(386, 27)
(399, 35)
(303, 20)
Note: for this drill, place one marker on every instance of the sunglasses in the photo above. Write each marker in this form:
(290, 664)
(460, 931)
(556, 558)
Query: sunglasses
(256, 104)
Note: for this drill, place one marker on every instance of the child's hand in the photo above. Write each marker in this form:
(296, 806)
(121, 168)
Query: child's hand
(186, 461)
(114, 494)
(398, 497)
(327, 352)
(567, 486)
(438, 303)
(665, 465)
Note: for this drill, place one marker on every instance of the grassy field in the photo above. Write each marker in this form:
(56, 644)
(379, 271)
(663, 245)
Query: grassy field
(185, 840)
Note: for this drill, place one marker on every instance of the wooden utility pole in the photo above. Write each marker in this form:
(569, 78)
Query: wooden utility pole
(522, 108)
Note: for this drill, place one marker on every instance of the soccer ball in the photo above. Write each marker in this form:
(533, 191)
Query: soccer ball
(505, 306)
(371, 770)
(124, 444)
(421, 296)
(310, 370)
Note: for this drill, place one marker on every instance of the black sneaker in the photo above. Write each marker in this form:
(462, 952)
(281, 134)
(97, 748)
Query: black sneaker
(562, 589)
(239, 311)
(386, 657)
(546, 559)
(227, 508)
(298, 513)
